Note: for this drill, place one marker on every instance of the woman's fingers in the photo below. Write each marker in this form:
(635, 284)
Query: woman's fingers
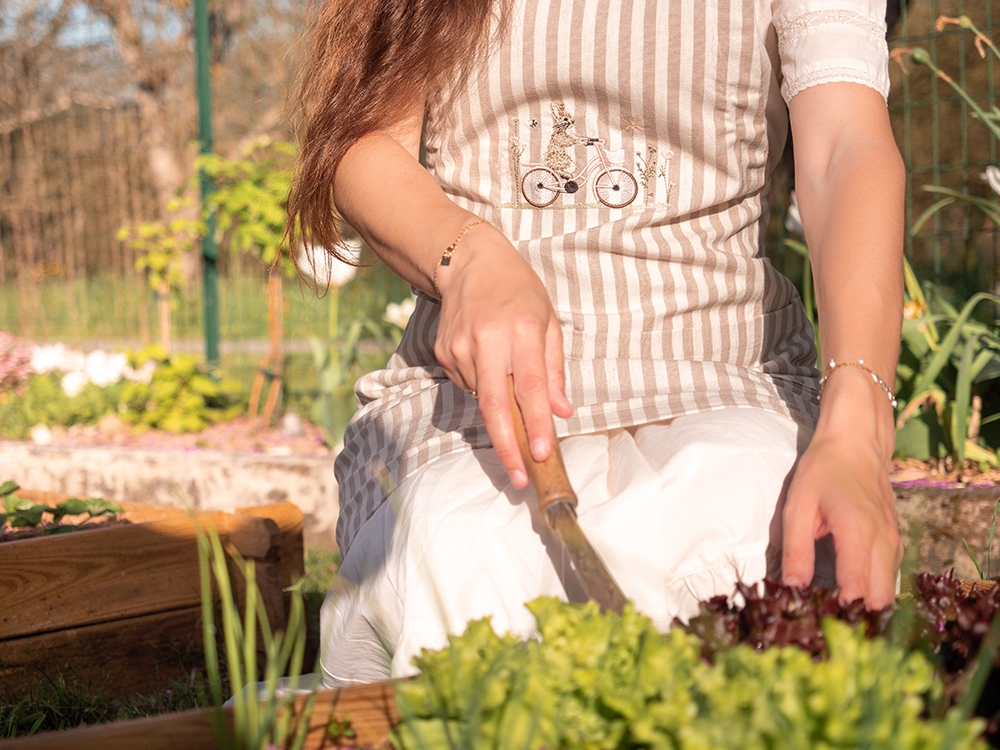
(798, 550)
(556, 372)
(854, 566)
(526, 363)
(835, 491)
(531, 388)
(496, 407)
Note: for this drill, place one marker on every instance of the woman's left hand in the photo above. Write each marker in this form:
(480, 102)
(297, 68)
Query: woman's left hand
(840, 486)
(843, 490)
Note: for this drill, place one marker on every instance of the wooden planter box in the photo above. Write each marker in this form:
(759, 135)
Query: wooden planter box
(118, 609)
(370, 708)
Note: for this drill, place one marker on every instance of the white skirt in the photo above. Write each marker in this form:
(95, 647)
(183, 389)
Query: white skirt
(679, 511)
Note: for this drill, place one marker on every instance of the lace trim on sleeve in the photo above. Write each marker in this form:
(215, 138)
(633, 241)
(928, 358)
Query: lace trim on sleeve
(795, 27)
(830, 75)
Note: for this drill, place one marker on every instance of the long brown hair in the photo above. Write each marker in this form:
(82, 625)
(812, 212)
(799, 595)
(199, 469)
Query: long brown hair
(364, 60)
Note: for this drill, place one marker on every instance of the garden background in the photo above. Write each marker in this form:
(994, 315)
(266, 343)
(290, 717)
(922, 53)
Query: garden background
(98, 196)
(101, 227)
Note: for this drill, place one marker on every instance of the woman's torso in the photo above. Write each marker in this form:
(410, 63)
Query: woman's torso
(667, 304)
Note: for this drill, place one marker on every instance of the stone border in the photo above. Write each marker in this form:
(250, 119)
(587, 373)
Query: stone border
(207, 480)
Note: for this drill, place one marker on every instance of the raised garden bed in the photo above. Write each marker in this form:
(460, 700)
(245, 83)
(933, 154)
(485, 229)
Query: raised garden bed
(613, 677)
(117, 609)
(370, 709)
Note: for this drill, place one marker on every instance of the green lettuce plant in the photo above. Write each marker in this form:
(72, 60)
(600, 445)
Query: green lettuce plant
(609, 681)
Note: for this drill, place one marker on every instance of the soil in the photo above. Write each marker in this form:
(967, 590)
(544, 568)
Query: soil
(295, 436)
(291, 436)
(8, 534)
(942, 474)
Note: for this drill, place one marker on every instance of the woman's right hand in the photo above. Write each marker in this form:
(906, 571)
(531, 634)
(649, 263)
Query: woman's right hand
(497, 320)
(496, 317)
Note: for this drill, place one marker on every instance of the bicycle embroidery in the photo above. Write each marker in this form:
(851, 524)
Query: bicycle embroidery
(540, 184)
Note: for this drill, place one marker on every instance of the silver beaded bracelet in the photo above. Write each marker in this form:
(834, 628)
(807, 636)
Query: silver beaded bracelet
(860, 364)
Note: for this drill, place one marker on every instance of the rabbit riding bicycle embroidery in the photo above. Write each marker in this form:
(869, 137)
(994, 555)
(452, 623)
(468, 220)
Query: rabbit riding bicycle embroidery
(539, 184)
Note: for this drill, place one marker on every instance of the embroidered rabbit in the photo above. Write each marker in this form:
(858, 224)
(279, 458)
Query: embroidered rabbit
(557, 157)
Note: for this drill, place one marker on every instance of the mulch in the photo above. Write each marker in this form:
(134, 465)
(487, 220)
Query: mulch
(291, 436)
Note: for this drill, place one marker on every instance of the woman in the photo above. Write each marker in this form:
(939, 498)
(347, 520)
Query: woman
(590, 224)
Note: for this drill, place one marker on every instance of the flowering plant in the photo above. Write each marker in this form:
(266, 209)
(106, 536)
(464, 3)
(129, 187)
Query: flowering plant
(15, 364)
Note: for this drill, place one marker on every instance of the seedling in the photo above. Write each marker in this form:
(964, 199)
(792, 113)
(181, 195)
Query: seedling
(25, 514)
(989, 549)
(260, 722)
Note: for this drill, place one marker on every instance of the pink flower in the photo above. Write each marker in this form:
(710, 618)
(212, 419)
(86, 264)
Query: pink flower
(15, 364)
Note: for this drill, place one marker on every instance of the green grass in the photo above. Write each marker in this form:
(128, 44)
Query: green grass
(116, 312)
(112, 308)
(321, 569)
(54, 704)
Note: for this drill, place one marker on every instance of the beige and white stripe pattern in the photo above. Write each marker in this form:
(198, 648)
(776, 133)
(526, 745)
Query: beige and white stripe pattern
(667, 305)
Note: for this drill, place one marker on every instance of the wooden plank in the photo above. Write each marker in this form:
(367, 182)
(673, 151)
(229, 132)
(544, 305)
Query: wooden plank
(370, 708)
(121, 659)
(65, 581)
(289, 519)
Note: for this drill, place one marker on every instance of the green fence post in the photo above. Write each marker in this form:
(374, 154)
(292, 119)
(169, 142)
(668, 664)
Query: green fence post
(209, 251)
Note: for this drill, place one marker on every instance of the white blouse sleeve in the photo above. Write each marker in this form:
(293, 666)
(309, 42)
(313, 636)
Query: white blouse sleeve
(821, 41)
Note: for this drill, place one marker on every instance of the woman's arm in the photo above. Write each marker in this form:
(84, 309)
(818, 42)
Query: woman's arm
(849, 184)
(496, 317)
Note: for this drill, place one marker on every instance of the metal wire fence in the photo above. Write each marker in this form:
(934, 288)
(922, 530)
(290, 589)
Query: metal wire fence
(941, 144)
(73, 173)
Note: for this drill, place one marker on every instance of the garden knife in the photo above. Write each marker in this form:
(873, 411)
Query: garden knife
(557, 503)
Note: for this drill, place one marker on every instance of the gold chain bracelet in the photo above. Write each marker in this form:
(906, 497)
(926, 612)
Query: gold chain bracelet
(449, 251)
(860, 364)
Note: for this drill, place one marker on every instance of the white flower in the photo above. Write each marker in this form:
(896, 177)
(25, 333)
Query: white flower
(399, 314)
(73, 382)
(992, 177)
(103, 368)
(325, 269)
(78, 368)
(56, 357)
(40, 435)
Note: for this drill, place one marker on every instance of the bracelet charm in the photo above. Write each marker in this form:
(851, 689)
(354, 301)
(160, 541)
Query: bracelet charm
(449, 251)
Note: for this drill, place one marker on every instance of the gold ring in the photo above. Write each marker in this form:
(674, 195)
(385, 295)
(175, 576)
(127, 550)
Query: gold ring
(473, 394)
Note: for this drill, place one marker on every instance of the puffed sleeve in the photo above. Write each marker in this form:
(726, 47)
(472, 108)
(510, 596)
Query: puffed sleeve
(821, 41)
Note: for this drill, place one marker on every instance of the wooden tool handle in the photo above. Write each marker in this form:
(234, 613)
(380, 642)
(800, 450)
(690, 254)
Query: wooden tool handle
(549, 477)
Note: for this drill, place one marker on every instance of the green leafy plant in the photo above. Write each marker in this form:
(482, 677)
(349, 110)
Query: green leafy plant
(46, 402)
(250, 196)
(248, 205)
(26, 514)
(257, 724)
(181, 396)
(162, 246)
(339, 362)
(609, 681)
(946, 357)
